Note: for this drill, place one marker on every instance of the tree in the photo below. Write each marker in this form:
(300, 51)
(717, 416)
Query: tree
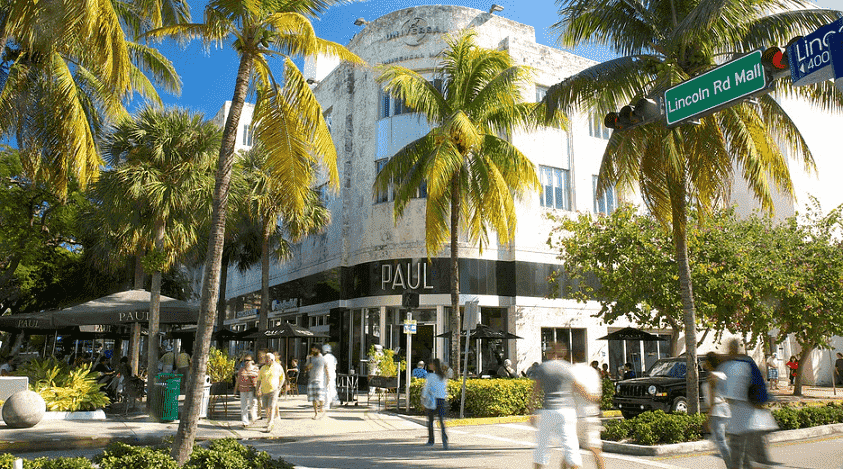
(163, 165)
(73, 59)
(472, 171)
(662, 43)
(260, 30)
(267, 205)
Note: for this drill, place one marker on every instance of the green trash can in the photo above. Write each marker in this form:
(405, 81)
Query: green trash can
(165, 397)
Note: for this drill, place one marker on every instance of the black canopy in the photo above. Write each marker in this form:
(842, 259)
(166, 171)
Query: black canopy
(125, 308)
(484, 332)
(631, 333)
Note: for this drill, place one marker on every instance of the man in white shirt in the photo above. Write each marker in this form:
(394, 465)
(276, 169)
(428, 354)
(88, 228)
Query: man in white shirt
(586, 398)
(773, 364)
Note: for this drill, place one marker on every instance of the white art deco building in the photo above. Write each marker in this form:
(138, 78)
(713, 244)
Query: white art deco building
(348, 282)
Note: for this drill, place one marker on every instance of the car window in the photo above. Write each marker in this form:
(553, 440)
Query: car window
(669, 369)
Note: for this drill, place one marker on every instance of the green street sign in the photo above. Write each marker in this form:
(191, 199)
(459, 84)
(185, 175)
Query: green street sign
(715, 88)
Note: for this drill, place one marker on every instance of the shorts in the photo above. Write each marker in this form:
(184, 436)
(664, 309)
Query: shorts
(315, 392)
(588, 432)
(772, 373)
(561, 423)
(269, 400)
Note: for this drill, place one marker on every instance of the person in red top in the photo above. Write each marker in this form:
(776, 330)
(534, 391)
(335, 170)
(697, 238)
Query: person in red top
(247, 378)
(793, 364)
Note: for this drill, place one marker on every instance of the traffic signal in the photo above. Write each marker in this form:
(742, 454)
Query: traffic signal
(644, 111)
(775, 63)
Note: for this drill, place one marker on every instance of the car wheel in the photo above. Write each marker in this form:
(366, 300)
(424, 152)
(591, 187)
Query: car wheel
(628, 415)
(680, 405)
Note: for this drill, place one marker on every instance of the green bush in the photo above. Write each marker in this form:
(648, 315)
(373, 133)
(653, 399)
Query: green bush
(123, 456)
(607, 395)
(230, 454)
(65, 389)
(790, 418)
(484, 397)
(220, 366)
(7, 461)
(655, 428)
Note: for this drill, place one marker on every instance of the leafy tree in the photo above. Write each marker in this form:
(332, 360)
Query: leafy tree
(268, 206)
(661, 44)
(472, 171)
(163, 165)
(260, 29)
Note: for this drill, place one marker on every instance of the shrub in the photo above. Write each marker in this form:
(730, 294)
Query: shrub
(7, 461)
(123, 456)
(484, 397)
(220, 366)
(229, 454)
(384, 362)
(657, 427)
(65, 389)
(607, 394)
(790, 418)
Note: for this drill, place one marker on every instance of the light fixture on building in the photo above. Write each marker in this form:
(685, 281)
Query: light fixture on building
(312, 81)
(360, 22)
(495, 7)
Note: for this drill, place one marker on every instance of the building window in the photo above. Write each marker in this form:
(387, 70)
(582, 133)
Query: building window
(570, 338)
(556, 183)
(328, 119)
(607, 203)
(247, 135)
(391, 106)
(382, 195)
(597, 129)
(541, 92)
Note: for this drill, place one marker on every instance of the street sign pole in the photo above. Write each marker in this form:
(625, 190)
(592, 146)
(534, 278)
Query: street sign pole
(409, 331)
(472, 316)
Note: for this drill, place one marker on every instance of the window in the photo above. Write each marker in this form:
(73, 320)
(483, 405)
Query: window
(247, 135)
(328, 119)
(572, 339)
(391, 106)
(607, 203)
(556, 183)
(541, 92)
(384, 106)
(597, 129)
(386, 195)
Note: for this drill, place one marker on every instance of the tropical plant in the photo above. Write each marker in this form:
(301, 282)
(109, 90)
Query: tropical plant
(472, 171)
(158, 191)
(220, 366)
(259, 29)
(72, 58)
(384, 362)
(661, 44)
(62, 388)
(267, 205)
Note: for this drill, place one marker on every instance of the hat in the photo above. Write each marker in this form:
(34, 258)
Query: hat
(326, 348)
(270, 356)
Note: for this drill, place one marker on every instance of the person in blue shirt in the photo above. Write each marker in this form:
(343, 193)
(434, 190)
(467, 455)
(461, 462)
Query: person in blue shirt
(628, 372)
(419, 371)
(434, 395)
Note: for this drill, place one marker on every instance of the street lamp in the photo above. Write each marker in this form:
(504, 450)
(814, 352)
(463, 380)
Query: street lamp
(495, 7)
(360, 22)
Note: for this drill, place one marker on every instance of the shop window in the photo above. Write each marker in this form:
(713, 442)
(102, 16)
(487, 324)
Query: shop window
(572, 339)
(382, 195)
(607, 203)
(556, 183)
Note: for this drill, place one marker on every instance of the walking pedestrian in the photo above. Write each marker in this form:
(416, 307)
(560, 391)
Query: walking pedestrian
(558, 417)
(718, 408)
(182, 364)
(419, 371)
(317, 372)
(434, 398)
(247, 380)
(773, 364)
(587, 392)
(270, 379)
(165, 364)
(746, 392)
(838, 369)
(331, 398)
(793, 365)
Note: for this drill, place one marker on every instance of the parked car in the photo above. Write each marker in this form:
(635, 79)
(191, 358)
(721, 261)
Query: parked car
(663, 388)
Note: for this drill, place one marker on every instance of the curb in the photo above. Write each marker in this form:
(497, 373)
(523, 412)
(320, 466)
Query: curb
(706, 445)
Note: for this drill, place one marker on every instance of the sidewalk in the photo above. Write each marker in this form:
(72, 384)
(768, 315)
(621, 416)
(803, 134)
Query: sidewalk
(137, 428)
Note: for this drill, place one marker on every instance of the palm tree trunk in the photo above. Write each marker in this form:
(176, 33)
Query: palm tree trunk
(455, 277)
(680, 241)
(186, 435)
(263, 314)
(135, 335)
(221, 304)
(807, 349)
(154, 312)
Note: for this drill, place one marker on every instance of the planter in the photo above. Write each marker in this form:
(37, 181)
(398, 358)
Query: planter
(98, 414)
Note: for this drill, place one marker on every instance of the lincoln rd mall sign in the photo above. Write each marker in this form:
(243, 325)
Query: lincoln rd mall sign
(714, 89)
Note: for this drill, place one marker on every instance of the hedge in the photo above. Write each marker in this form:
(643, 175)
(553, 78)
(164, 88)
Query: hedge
(484, 397)
(657, 427)
(225, 453)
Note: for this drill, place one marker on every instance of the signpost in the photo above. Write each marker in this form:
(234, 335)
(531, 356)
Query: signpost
(715, 89)
(810, 57)
(472, 317)
(409, 330)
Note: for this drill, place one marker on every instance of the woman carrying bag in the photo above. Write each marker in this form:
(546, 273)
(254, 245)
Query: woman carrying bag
(434, 395)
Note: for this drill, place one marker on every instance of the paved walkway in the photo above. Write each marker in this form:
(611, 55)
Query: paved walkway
(137, 428)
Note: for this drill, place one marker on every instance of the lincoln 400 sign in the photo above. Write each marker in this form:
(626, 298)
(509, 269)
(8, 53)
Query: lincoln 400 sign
(714, 89)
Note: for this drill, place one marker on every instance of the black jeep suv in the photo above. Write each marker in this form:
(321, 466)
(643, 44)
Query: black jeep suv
(663, 388)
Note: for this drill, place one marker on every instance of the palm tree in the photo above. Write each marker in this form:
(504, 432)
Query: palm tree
(267, 204)
(163, 165)
(260, 29)
(73, 58)
(661, 44)
(472, 171)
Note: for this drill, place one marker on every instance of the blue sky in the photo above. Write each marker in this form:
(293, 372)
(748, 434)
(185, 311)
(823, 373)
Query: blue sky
(208, 78)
